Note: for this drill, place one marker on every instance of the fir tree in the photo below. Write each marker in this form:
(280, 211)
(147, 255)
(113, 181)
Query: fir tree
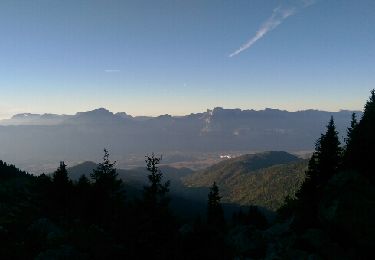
(156, 225)
(105, 173)
(351, 130)
(61, 191)
(155, 195)
(106, 178)
(215, 215)
(324, 163)
(328, 154)
(108, 192)
(361, 144)
(60, 176)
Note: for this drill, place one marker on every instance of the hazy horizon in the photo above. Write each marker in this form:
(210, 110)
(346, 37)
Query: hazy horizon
(9, 116)
(179, 57)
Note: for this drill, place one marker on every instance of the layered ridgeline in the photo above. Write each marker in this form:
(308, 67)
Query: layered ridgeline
(263, 179)
(30, 140)
(331, 216)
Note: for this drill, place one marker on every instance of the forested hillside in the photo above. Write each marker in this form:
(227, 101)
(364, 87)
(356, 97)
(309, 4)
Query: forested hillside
(263, 179)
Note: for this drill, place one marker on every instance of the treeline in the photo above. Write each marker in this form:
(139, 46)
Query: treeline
(331, 216)
(52, 217)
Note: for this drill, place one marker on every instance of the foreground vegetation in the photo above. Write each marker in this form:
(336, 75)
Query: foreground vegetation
(331, 216)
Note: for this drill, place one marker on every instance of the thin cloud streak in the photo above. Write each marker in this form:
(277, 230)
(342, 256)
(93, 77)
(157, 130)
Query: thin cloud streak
(279, 14)
(111, 71)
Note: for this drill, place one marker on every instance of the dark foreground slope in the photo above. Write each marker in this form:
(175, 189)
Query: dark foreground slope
(333, 214)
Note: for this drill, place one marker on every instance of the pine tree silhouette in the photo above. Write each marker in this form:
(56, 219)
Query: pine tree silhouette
(323, 164)
(328, 154)
(351, 130)
(61, 191)
(108, 191)
(105, 173)
(156, 231)
(60, 176)
(215, 215)
(361, 142)
(155, 195)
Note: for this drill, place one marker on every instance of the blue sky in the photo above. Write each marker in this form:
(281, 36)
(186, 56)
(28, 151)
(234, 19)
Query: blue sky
(173, 56)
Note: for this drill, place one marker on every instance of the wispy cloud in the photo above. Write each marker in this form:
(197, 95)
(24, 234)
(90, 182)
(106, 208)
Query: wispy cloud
(111, 71)
(279, 14)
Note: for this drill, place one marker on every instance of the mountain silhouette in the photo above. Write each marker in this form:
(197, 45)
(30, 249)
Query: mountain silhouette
(26, 138)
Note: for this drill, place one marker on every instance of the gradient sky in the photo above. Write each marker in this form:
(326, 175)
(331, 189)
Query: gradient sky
(172, 56)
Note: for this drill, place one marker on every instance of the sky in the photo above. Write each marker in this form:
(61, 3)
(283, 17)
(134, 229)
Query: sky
(182, 56)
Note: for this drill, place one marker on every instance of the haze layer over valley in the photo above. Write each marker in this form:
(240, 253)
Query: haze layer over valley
(36, 143)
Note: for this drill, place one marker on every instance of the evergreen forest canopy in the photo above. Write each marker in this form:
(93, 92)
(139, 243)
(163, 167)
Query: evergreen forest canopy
(331, 215)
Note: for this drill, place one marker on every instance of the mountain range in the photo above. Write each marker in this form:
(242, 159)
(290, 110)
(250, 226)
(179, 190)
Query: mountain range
(39, 141)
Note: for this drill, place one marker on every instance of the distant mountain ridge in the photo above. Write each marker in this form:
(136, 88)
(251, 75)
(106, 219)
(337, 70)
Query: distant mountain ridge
(217, 112)
(56, 119)
(28, 139)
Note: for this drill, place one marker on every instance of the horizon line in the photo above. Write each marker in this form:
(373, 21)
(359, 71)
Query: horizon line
(181, 115)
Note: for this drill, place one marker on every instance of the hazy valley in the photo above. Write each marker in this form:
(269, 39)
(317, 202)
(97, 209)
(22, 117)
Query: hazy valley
(37, 142)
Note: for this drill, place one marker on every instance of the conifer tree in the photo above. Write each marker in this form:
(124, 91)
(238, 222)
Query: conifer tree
(105, 172)
(215, 215)
(60, 176)
(361, 144)
(155, 195)
(106, 178)
(326, 159)
(351, 130)
(156, 225)
(323, 164)
(61, 190)
(108, 192)
(328, 154)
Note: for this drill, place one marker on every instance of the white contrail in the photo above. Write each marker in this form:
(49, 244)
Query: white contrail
(278, 16)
